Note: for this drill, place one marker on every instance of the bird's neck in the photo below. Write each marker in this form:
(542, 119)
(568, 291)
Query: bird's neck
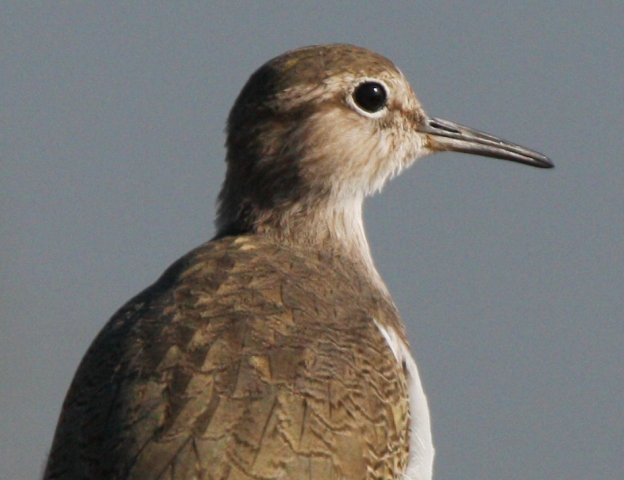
(332, 227)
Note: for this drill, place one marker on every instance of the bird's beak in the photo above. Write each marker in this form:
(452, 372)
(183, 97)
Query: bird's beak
(447, 136)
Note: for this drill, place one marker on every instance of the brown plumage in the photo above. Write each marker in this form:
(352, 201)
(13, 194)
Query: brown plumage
(274, 351)
(231, 364)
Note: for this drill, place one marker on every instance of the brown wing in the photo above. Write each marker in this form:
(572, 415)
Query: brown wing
(232, 367)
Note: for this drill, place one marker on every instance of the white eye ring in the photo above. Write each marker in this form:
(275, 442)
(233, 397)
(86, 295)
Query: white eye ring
(375, 98)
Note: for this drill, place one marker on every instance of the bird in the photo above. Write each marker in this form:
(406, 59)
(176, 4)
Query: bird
(274, 350)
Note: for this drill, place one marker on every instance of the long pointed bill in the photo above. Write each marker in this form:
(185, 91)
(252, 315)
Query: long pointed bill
(448, 136)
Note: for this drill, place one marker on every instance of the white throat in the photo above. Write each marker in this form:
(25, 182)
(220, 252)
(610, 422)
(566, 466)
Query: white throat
(346, 222)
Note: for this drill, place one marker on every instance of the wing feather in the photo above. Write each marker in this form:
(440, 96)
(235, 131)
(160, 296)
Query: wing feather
(232, 367)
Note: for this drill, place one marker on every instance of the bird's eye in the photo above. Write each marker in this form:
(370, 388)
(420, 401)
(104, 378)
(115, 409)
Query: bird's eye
(370, 96)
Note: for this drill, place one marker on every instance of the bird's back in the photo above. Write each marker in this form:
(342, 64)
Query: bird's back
(246, 359)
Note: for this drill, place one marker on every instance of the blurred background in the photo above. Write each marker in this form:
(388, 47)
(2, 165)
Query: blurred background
(509, 278)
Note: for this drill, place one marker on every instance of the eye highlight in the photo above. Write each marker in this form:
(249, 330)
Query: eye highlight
(370, 96)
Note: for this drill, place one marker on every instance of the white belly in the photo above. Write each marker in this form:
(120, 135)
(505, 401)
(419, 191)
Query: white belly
(420, 464)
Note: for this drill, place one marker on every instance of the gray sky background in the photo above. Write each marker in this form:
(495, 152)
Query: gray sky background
(509, 278)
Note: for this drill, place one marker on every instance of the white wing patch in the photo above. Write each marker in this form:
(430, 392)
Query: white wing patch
(420, 464)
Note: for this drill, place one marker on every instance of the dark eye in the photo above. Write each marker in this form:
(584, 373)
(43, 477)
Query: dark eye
(370, 96)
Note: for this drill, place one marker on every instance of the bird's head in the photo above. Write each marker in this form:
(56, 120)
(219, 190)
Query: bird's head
(321, 127)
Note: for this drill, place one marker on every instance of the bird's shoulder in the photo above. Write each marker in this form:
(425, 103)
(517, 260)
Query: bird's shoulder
(248, 359)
